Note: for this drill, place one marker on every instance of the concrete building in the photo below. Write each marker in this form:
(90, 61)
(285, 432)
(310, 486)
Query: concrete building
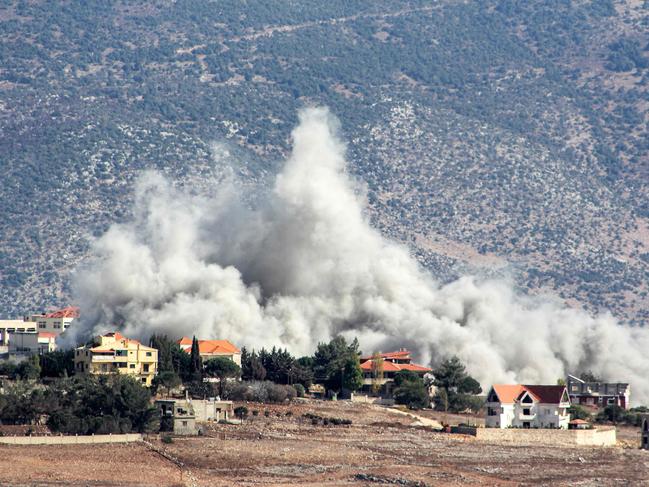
(176, 416)
(211, 409)
(208, 349)
(15, 326)
(598, 395)
(379, 371)
(527, 406)
(57, 321)
(25, 344)
(113, 352)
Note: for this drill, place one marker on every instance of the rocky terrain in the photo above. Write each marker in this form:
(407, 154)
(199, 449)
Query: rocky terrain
(285, 448)
(495, 137)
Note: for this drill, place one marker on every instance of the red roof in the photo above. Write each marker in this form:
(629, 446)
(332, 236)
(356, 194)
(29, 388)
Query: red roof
(401, 354)
(69, 312)
(392, 367)
(510, 393)
(46, 334)
(206, 347)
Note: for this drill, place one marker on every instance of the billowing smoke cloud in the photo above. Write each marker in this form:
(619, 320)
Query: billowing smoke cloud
(305, 265)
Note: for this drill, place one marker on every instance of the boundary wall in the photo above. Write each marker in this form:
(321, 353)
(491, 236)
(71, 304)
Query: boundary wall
(69, 440)
(548, 437)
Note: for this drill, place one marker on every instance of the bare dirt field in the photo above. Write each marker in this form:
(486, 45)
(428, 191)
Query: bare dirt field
(379, 448)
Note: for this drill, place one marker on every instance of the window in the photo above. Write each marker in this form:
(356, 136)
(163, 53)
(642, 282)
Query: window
(145, 367)
(526, 412)
(148, 354)
(41, 325)
(143, 380)
(184, 423)
(131, 366)
(610, 400)
(56, 325)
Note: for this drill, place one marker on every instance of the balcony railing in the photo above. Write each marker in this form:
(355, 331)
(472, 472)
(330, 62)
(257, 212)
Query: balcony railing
(104, 358)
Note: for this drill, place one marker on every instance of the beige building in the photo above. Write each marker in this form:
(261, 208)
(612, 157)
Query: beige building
(24, 344)
(7, 327)
(113, 352)
(55, 322)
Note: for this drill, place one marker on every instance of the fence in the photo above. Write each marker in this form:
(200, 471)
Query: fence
(69, 440)
(548, 437)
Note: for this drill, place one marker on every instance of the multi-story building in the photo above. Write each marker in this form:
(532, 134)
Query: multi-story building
(55, 322)
(598, 394)
(7, 327)
(527, 406)
(208, 349)
(379, 371)
(112, 353)
(24, 344)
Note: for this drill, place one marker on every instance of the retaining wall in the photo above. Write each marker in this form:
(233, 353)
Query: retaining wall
(549, 437)
(69, 440)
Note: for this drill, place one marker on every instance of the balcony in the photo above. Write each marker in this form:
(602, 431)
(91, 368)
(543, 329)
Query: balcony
(104, 358)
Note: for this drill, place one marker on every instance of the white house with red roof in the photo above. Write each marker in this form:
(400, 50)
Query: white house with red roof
(527, 406)
(208, 349)
(56, 321)
(379, 370)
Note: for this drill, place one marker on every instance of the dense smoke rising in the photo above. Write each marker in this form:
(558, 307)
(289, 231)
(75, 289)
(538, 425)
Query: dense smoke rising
(305, 265)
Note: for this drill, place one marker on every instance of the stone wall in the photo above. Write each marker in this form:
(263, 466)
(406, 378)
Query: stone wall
(549, 437)
(69, 440)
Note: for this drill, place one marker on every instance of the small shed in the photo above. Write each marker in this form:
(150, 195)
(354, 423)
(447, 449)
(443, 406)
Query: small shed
(177, 416)
(578, 424)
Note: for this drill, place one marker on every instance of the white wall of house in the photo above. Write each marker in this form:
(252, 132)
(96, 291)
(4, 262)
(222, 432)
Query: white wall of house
(535, 415)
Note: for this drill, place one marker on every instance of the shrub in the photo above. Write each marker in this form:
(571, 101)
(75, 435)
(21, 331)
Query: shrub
(167, 439)
(267, 413)
(299, 390)
(241, 412)
(255, 412)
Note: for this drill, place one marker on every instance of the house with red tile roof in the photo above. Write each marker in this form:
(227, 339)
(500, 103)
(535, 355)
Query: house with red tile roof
(380, 369)
(208, 349)
(527, 406)
(55, 321)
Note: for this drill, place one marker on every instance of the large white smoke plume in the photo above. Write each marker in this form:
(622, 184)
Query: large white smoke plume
(305, 265)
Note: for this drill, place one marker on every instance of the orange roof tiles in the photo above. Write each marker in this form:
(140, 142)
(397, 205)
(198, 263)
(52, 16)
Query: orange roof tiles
(392, 367)
(401, 354)
(510, 393)
(69, 312)
(46, 334)
(206, 347)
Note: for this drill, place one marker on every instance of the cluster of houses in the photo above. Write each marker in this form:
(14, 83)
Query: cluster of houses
(506, 406)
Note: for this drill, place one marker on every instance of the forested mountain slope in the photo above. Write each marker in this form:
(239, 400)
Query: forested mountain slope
(494, 136)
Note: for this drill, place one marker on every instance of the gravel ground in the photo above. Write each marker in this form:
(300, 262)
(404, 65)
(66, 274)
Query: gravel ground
(379, 448)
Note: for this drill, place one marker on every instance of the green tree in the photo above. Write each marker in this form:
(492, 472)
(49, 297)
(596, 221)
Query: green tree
(29, 369)
(405, 376)
(578, 412)
(223, 369)
(195, 364)
(337, 364)
(167, 379)
(412, 393)
(459, 387)
(59, 363)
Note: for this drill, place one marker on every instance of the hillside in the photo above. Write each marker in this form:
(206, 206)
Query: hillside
(504, 137)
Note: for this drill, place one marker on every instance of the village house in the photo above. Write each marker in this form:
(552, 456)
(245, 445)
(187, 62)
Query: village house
(597, 395)
(208, 349)
(527, 406)
(379, 371)
(176, 416)
(57, 321)
(113, 352)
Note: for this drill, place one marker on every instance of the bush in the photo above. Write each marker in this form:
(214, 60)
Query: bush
(241, 412)
(258, 391)
(167, 439)
(255, 412)
(299, 390)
